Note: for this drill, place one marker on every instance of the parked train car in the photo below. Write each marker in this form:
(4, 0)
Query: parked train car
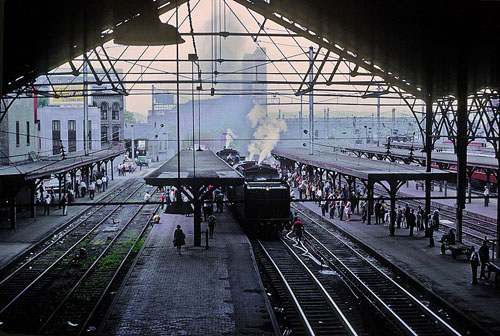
(263, 202)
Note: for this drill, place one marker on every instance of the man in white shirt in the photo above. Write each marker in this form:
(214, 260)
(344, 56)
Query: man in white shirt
(486, 196)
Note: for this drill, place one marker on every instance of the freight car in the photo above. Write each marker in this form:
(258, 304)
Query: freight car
(262, 203)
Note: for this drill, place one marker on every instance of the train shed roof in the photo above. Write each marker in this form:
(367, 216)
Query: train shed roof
(372, 171)
(196, 168)
(45, 167)
(449, 158)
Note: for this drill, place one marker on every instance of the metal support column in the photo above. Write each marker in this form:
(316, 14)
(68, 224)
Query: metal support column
(197, 216)
(13, 210)
(33, 199)
(428, 152)
(370, 202)
(461, 143)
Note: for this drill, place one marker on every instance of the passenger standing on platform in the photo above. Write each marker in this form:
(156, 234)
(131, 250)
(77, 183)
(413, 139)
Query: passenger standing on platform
(323, 207)
(46, 204)
(474, 263)
(92, 190)
(399, 217)
(420, 218)
(206, 210)
(211, 225)
(406, 215)
(64, 203)
(179, 239)
(363, 212)
(147, 197)
(99, 184)
(486, 196)
(342, 210)
(484, 256)
(435, 219)
(220, 201)
(377, 212)
(410, 221)
(431, 232)
(348, 211)
(83, 188)
(162, 201)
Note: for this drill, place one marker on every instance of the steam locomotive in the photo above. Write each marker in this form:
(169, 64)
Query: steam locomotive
(262, 203)
(231, 156)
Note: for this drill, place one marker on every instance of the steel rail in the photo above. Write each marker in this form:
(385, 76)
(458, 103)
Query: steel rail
(68, 251)
(296, 303)
(77, 217)
(403, 290)
(108, 286)
(347, 325)
(92, 266)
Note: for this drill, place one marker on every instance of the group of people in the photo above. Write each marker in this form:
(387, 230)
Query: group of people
(480, 258)
(47, 197)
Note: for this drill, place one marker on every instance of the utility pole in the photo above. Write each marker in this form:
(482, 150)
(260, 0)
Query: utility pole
(133, 143)
(311, 104)
(301, 129)
(85, 108)
(378, 116)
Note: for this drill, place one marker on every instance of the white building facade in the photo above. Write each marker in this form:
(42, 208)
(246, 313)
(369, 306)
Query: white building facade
(64, 126)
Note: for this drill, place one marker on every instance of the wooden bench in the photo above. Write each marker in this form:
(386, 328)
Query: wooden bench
(493, 268)
(456, 249)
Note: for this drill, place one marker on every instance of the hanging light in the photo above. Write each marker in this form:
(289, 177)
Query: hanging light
(146, 30)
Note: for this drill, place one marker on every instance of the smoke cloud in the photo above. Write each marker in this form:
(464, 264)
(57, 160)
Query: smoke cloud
(266, 135)
(230, 136)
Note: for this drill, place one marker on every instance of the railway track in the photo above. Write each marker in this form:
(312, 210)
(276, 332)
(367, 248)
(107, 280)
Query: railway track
(52, 293)
(315, 311)
(403, 309)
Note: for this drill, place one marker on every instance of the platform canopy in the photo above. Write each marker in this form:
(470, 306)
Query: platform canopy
(448, 158)
(196, 168)
(372, 171)
(55, 165)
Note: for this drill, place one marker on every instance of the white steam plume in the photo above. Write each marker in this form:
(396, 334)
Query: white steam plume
(266, 135)
(230, 136)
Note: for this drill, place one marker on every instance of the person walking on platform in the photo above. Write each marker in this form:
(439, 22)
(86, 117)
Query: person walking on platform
(363, 212)
(474, 263)
(219, 197)
(342, 210)
(399, 217)
(147, 197)
(484, 257)
(211, 225)
(420, 218)
(323, 207)
(486, 196)
(179, 239)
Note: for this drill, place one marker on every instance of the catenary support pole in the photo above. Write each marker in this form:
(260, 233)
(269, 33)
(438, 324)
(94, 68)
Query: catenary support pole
(428, 152)
(461, 143)
(311, 103)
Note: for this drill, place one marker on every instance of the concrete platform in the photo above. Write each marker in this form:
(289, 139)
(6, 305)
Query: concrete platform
(30, 231)
(201, 292)
(447, 278)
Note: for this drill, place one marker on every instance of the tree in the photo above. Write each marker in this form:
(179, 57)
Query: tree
(129, 117)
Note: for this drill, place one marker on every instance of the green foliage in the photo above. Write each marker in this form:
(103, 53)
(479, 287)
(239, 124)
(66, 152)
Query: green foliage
(129, 117)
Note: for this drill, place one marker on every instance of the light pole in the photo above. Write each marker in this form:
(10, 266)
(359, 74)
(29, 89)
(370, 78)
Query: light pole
(133, 143)
(311, 104)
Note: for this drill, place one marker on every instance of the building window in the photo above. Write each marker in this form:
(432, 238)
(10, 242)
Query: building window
(17, 134)
(28, 133)
(104, 111)
(115, 111)
(116, 133)
(71, 135)
(104, 134)
(56, 137)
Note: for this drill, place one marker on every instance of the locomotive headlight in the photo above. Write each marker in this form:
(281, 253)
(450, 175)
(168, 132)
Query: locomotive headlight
(267, 188)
